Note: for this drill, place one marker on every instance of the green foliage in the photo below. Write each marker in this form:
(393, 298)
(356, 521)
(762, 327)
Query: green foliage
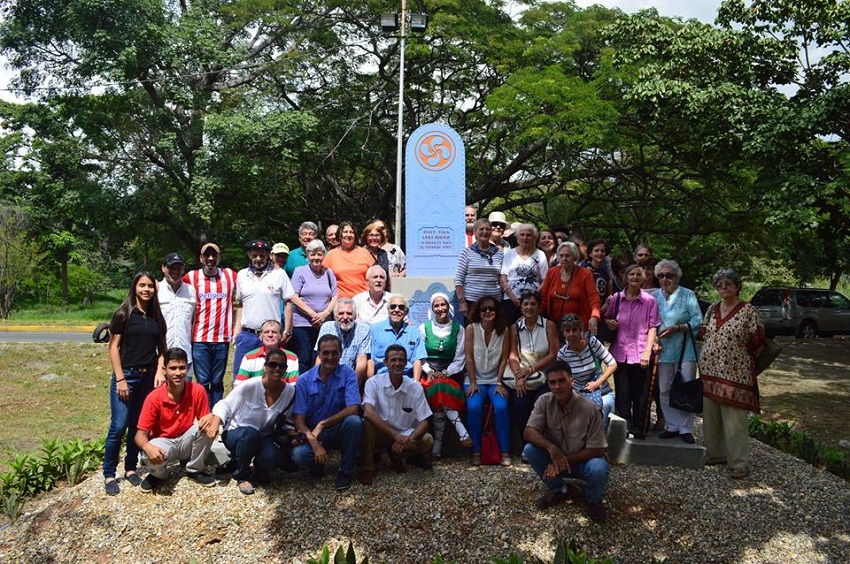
(781, 435)
(340, 557)
(18, 256)
(31, 475)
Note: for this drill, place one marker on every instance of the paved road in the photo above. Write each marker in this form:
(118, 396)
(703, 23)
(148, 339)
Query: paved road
(39, 337)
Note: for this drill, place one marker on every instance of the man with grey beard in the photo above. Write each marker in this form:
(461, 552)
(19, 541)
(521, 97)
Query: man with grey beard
(356, 343)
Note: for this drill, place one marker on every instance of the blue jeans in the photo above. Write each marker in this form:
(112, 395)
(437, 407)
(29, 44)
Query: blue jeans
(475, 416)
(246, 444)
(302, 343)
(124, 416)
(594, 472)
(210, 362)
(521, 406)
(246, 341)
(345, 437)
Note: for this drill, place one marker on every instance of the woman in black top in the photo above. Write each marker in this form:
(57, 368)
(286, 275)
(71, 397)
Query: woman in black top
(136, 343)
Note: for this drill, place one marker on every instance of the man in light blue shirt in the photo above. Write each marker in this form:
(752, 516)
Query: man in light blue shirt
(354, 336)
(396, 331)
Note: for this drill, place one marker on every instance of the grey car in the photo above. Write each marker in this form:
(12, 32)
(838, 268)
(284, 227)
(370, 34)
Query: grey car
(803, 312)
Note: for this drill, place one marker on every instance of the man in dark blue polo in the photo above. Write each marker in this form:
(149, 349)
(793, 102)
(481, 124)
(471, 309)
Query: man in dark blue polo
(327, 412)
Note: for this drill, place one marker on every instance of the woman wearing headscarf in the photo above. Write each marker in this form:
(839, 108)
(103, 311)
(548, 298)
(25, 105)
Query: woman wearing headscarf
(444, 344)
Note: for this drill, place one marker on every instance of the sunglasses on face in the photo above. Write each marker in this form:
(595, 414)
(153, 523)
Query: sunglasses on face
(275, 365)
(488, 309)
(669, 275)
(396, 306)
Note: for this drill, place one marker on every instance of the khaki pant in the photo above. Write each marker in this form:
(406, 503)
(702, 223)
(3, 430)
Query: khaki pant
(373, 438)
(725, 430)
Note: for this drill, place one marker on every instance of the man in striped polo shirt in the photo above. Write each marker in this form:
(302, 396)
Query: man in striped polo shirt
(253, 363)
(211, 334)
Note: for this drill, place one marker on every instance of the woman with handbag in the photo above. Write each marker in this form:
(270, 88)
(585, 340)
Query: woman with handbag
(533, 346)
(732, 331)
(586, 354)
(486, 347)
(680, 316)
(570, 289)
(635, 322)
(443, 338)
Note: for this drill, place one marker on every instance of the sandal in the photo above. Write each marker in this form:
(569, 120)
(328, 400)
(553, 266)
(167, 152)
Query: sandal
(465, 441)
(246, 488)
(506, 459)
(476, 459)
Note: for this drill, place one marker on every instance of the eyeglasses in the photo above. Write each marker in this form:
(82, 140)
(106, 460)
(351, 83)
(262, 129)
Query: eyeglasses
(276, 365)
(497, 226)
(488, 309)
(395, 306)
(662, 275)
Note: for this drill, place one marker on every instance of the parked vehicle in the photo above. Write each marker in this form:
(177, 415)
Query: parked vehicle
(803, 312)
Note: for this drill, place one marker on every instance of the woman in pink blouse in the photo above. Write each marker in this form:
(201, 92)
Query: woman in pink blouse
(634, 316)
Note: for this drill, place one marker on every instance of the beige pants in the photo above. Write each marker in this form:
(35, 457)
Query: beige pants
(725, 430)
(372, 439)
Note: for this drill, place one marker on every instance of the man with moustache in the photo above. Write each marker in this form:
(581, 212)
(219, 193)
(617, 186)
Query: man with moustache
(353, 334)
(214, 288)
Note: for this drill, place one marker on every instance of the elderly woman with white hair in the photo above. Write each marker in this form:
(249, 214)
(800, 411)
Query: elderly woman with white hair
(570, 288)
(523, 270)
(733, 333)
(443, 370)
(314, 298)
(680, 317)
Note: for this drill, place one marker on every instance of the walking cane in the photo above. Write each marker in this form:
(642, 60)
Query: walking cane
(650, 392)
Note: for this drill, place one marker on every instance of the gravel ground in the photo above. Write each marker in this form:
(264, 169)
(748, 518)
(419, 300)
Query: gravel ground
(784, 511)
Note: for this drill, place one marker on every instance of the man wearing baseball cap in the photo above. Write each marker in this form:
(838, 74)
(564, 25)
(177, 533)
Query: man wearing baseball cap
(213, 327)
(261, 290)
(178, 302)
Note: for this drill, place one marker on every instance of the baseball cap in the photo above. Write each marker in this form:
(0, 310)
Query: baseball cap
(212, 246)
(173, 258)
(280, 248)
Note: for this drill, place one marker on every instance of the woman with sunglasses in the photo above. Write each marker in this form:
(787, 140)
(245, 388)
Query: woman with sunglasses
(136, 345)
(479, 269)
(256, 420)
(486, 345)
(680, 316)
(733, 332)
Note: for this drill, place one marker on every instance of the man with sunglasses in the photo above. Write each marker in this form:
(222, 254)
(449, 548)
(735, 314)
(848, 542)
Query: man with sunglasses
(327, 413)
(396, 331)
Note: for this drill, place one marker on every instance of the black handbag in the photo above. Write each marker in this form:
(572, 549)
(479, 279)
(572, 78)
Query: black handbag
(686, 396)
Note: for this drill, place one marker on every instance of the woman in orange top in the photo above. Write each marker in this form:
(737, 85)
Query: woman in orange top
(349, 262)
(570, 289)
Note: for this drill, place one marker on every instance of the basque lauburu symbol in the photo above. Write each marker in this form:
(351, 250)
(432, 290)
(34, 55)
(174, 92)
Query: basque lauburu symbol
(435, 151)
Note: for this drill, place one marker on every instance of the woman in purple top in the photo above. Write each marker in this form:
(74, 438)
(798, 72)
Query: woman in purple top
(635, 319)
(314, 299)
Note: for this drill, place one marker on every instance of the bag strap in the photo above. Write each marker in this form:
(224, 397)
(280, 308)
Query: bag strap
(596, 363)
(489, 415)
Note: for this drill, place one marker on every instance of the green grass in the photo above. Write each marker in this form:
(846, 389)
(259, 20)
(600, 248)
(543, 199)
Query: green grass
(101, 308)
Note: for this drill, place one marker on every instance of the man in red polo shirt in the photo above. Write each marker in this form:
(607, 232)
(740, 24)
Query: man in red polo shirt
(167, 429)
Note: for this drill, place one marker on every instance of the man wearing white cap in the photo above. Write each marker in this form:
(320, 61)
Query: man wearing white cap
(498, 226)
(280, 254)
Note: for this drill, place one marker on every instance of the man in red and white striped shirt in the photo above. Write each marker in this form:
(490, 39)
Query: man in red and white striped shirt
(213, 328)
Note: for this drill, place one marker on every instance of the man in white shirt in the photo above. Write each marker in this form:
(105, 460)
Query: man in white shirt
(177, 302)
(260, 291)
(371, 305)
(396, 414)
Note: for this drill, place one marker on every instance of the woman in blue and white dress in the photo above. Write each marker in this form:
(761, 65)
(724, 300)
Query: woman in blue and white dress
(680, 315)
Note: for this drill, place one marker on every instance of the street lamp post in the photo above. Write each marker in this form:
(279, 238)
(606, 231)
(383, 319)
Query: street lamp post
(391, 22)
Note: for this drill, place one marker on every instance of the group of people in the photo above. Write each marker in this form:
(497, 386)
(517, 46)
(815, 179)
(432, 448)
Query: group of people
(326, 358)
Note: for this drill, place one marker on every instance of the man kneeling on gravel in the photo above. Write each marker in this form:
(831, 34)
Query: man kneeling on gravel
(397, 416)
(565, 439)
(167, 429)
